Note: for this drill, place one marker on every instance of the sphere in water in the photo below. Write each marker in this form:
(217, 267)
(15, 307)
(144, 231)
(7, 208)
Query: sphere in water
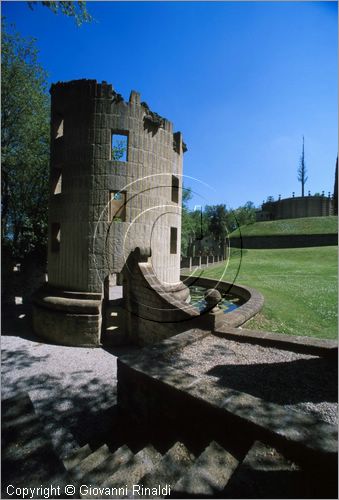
(212, 297)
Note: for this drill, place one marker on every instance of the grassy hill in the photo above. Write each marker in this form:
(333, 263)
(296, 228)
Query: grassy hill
(305, 225)
(300, 287)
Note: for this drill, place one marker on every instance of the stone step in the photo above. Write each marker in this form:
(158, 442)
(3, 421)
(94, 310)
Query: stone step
(114, 336)
(16, 410)
(266, 473)
(26, 449)
(130, 473)
(114, 331)
(209, 474)
(76, 457)
(105, 469)
(172, 465)
(89, 463)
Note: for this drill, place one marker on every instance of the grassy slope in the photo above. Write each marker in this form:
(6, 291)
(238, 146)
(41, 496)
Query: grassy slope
(299, 286)
(307, 225)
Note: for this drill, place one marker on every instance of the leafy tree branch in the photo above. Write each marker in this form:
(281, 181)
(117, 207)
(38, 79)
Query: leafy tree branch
(77, 10)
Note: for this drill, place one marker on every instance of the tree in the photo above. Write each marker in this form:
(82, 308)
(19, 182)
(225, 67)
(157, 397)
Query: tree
(214, 221)
(186, 228)
(119, 150)
(245, 214)
(78, 10)
(335, 191)
(193, 222)
(218, 221)
(24, 147)
(302, 171)
(186, 196)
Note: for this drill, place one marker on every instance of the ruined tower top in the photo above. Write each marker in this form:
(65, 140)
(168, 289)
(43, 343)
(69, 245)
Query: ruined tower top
(116, 177)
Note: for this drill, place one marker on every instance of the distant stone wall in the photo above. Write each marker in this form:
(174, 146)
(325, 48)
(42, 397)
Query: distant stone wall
(293, 208)
(285, 241)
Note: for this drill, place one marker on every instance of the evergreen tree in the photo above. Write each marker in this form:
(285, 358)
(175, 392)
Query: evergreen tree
(302, 171)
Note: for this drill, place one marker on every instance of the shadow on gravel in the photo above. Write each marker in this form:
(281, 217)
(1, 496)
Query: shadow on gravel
(75, 408)
(302, 380)
(73, 412)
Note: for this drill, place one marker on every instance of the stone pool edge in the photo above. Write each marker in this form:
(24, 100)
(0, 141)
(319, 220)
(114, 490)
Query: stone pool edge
(254, 301)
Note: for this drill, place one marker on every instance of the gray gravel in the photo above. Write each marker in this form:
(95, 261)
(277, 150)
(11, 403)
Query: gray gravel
(72, 388)
(296, 381)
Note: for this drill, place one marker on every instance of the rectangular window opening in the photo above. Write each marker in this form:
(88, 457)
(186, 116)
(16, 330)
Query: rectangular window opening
(175, 189)
(55, 237)
(174, 238)
(57, 181)
(117, 206)
(119, 150)
(58, 126)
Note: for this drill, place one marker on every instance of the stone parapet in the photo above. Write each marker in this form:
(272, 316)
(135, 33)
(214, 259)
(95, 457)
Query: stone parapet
(153, 392)
(306, 345)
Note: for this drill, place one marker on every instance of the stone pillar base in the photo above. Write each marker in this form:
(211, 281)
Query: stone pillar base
(67, 318)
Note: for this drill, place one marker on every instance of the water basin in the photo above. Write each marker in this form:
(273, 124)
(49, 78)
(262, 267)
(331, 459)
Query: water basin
(229, 301)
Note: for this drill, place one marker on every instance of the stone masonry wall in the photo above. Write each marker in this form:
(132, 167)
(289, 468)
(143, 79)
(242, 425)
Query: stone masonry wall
(91, 245)
(285, 241)
(71, 158)
(296, 207)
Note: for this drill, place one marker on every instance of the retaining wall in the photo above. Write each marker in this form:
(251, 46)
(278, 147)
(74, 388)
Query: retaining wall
(154, 392)
(285, 241)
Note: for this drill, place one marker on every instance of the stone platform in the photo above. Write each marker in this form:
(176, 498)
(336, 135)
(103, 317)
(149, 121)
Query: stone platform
(238, 393)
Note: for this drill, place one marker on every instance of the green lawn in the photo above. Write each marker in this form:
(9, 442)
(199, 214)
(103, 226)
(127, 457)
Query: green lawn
(307, 225)
(299, 286)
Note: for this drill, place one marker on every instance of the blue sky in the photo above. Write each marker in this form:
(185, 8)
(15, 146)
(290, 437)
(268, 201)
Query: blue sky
(243, 81)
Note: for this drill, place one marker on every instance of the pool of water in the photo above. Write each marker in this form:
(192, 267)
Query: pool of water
(229, 301)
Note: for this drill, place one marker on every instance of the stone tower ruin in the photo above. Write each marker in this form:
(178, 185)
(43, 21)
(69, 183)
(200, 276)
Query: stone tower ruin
(115, 202)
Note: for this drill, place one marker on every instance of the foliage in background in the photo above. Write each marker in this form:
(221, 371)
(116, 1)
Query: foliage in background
(212, 221)
(77, 10)
(119, 151)
(186, 228)
(218, 221)
(244, 215)
(25, 124)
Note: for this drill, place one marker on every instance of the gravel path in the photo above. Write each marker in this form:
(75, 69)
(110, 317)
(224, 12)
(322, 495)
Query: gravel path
(73, 389)
(296, 381)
